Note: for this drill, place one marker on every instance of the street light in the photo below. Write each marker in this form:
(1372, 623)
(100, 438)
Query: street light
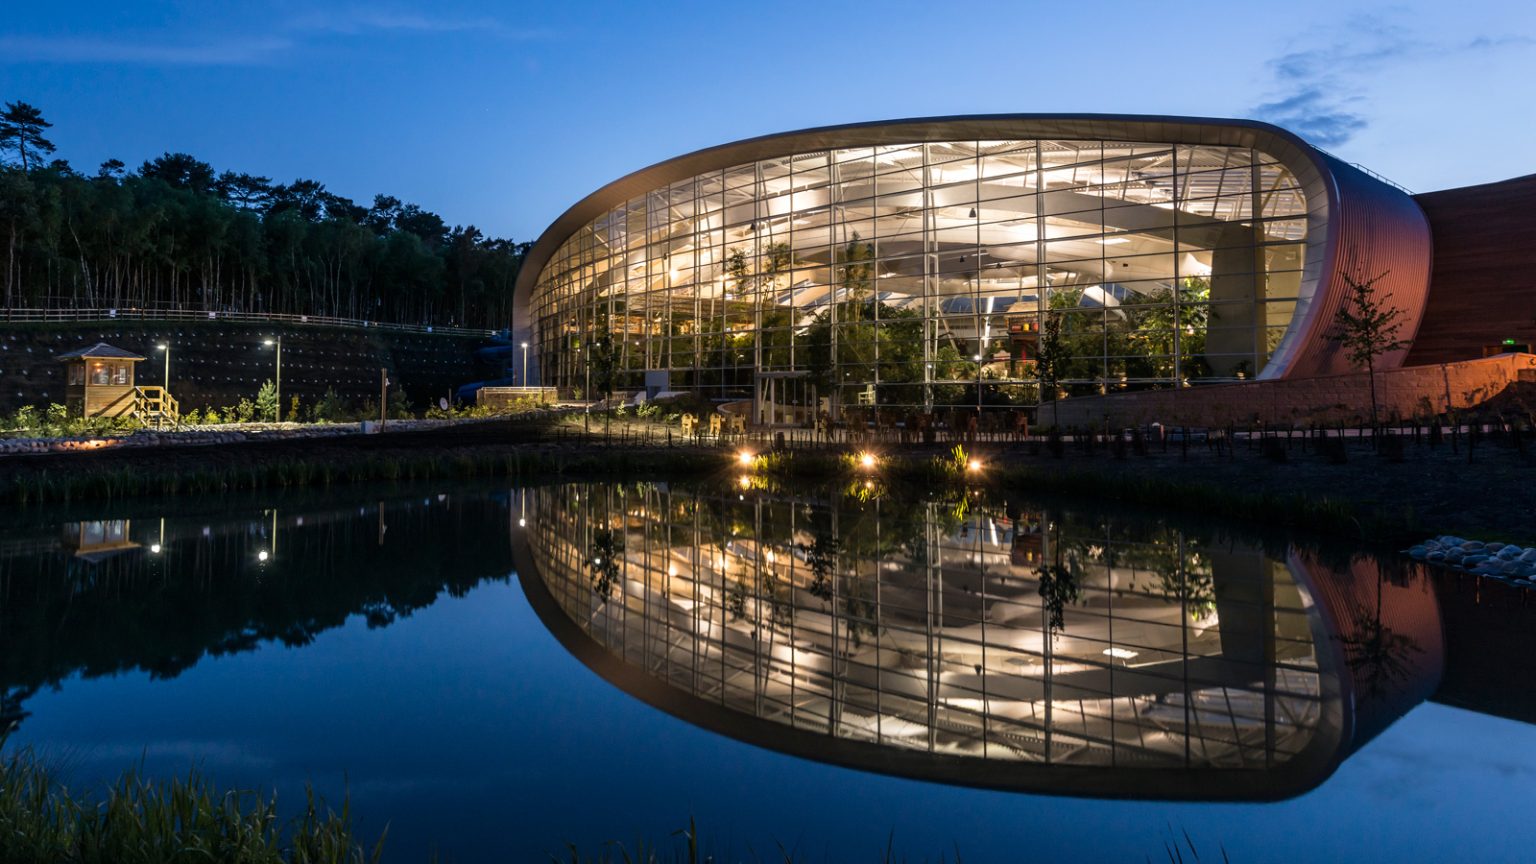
(279, 384)
(165, 346)
(525, 364)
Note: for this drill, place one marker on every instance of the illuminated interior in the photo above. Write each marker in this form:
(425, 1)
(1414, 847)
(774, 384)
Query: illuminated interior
(933, 275)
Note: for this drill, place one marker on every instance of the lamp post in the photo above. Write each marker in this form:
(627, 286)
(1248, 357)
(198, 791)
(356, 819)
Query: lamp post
(525, 364)
(166, 347)
(279, 383)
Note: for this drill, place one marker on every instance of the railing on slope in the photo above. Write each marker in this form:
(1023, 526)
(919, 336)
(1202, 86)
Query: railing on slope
(157, 405)
(105, 314)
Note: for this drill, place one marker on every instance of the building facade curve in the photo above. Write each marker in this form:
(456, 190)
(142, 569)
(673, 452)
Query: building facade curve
(967, 262)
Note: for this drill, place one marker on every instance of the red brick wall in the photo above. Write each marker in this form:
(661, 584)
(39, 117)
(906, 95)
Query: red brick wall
(1401, 393)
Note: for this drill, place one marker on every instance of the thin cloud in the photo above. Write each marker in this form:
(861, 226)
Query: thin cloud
(72, 49)
(262, 49)
(1315, 116)
(357, 21)
(1317, 90)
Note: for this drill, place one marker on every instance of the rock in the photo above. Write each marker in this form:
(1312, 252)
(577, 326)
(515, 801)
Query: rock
(1416, 552)
(1473, 545)
(1436, 555)
(1509, 553)
(1528, 555)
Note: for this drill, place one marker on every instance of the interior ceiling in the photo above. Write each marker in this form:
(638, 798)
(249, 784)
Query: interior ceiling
(794, 209)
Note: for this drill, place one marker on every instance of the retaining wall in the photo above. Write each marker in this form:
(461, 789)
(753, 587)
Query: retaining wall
(218, 363)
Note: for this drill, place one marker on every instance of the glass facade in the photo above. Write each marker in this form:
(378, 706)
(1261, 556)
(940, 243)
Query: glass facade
(952, 274)
(956, 628)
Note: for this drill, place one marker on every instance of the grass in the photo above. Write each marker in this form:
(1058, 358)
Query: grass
(139, 821)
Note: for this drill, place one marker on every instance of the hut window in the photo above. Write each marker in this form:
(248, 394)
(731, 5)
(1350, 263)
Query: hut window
(100, 373)
(120, 373)
(76, 374)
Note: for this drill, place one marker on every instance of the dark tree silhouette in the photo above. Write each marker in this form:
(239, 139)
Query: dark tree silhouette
(177, 234)
(21, 130)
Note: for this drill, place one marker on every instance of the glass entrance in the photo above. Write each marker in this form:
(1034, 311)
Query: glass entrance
(784, 399)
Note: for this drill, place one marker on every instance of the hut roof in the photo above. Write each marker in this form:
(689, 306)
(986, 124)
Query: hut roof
(100, 350)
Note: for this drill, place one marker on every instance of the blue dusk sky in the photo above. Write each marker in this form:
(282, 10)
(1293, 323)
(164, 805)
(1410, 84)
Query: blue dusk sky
(503, 114)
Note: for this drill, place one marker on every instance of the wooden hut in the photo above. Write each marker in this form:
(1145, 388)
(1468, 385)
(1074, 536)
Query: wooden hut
(98, 381)
(99, 539)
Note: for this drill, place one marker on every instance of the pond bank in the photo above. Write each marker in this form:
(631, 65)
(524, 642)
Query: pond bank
(1420, 491)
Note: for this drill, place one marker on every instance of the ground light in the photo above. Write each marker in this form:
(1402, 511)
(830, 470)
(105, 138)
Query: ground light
(973, 465)
(744, 457)
(866, 460)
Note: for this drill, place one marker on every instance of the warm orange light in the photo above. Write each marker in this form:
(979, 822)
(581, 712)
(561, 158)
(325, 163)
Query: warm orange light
(744, 481)
(867, 460)
(744, 457)
(974, 465)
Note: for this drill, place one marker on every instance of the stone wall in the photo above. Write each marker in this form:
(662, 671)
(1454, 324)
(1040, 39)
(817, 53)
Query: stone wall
(1401, 393)
(217, 363)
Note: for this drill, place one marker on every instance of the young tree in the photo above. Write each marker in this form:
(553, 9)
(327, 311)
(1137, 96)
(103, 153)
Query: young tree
(21, 130)
(1366, 329)
(266, 402)
(1050, 355)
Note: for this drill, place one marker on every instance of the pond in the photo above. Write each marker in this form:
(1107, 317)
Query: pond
(494, 673)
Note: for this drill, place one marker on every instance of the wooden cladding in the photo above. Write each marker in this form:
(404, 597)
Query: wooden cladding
(1483, 283)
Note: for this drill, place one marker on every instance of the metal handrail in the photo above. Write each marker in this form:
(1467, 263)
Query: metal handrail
(29, 315)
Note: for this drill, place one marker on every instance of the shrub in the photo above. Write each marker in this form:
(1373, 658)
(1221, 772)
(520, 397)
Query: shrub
(265, 409)
(330, 408)
(27, 420)
(192, 418)
(56, 420)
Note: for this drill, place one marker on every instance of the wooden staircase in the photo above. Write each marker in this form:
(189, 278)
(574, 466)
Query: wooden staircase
(156, 406)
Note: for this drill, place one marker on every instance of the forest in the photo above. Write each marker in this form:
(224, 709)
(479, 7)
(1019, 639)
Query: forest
(177, 234)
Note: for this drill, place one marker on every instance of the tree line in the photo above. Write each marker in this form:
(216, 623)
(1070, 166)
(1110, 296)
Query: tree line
(177, 234)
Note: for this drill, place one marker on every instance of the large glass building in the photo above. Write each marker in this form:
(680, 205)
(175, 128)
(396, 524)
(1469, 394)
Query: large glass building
(965, 262)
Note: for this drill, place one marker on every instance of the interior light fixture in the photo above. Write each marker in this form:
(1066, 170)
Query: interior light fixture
(1120, 653)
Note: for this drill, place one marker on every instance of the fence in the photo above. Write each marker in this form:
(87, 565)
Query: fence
(507, 397)
(47, 316)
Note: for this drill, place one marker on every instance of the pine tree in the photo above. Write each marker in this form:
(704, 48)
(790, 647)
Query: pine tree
(21, 130)
(266, 402)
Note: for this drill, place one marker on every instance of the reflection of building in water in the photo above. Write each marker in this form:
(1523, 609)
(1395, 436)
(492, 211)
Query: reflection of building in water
(973, 645)
(99, 539)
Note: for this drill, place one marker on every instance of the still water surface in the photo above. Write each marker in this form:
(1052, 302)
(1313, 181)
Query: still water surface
(496, 672)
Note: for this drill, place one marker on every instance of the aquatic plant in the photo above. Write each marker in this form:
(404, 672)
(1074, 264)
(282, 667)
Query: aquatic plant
(139, 821)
